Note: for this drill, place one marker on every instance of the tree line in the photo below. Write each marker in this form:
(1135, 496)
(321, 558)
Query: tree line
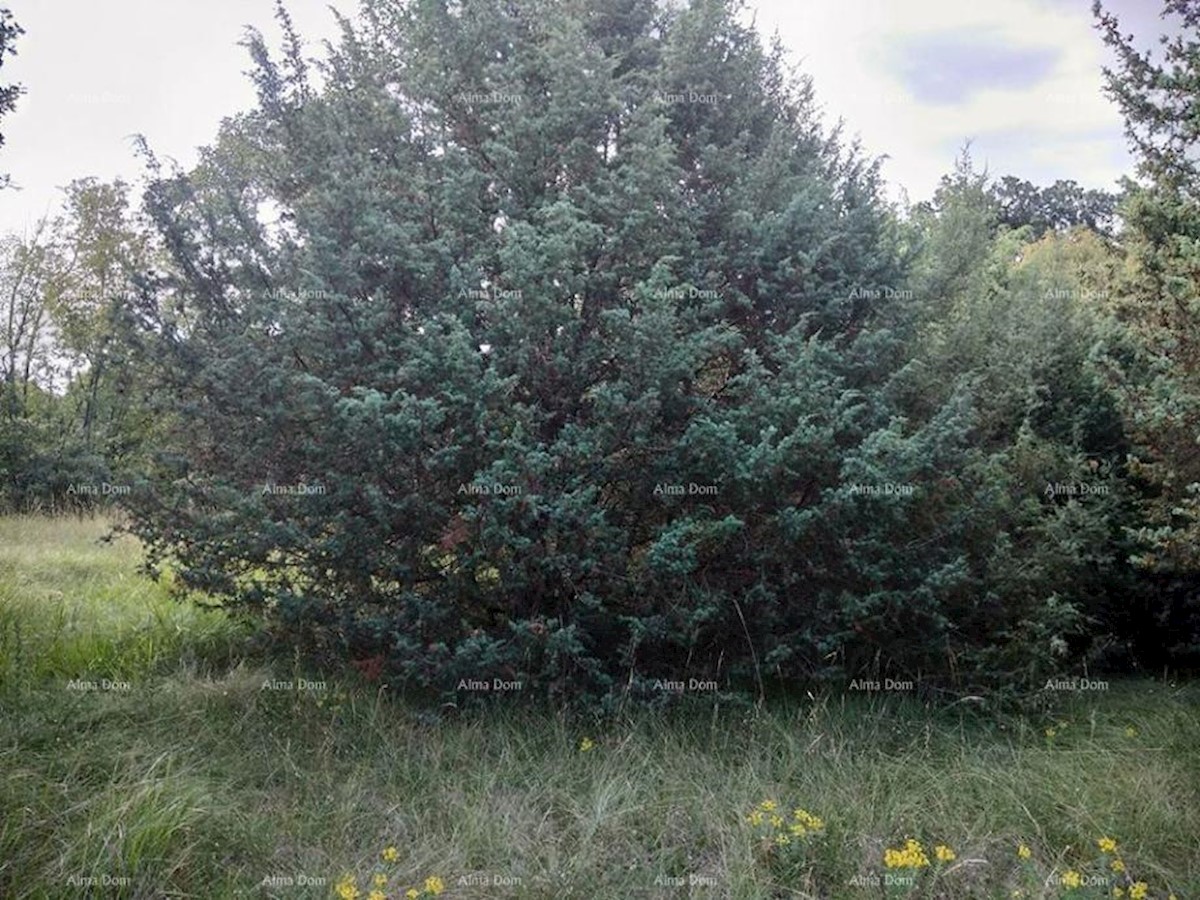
(477, 349)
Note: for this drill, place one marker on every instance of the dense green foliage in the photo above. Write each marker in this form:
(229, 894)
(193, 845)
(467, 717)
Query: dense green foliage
(1062, 205)
(191, 773)
(73, 421)
(1157, 298)
(578, 353)
(561, 343)
(490, 329)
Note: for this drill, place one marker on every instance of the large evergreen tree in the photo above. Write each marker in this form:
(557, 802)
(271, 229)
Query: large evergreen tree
(555, 340)
(1159, 299)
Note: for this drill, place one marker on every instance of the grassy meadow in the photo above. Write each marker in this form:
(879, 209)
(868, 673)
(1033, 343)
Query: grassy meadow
(148, 749)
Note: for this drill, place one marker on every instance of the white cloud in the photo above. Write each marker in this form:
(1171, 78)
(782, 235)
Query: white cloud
(97, 73)
(845, 46)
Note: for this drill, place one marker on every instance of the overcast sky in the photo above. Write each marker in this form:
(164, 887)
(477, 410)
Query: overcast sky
(914, 78)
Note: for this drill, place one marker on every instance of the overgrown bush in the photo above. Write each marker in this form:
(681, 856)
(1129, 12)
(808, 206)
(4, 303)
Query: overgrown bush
(559, 343)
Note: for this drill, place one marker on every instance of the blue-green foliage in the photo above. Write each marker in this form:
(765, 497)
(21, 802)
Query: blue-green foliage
(597, 346)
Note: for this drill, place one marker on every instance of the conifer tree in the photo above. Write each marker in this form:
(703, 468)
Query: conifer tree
(1159, 300)
(552, 341)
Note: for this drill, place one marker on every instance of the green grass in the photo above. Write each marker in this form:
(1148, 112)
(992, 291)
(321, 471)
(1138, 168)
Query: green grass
(72, 603)
(197, 782)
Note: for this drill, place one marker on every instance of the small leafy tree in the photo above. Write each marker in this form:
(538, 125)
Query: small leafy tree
(74, 420)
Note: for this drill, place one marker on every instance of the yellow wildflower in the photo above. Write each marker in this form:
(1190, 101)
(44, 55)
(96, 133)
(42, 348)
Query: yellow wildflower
(347, 888)
(412, 894)
(379, 880)
(755, 818)
(377, 895)
(1106, 844)
(1137, 890)
(943, 853)
(912, 856)
(1050, 732)
(808, 820)
(1023, 851)
(390, 854)
(783, 840)
(1117, 865)
(586, 744)
(1131, 732)
(1071, 879)
(434, 885)
(767, 806)
(797, 829)
(1118, 892)
(776, 821)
